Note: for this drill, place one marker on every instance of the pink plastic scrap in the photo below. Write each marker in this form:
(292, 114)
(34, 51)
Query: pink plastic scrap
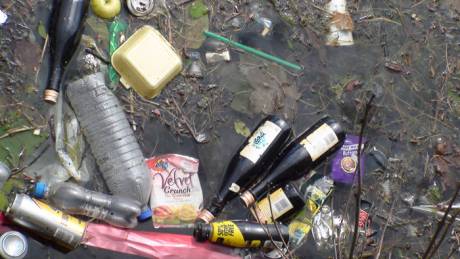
(152, 244)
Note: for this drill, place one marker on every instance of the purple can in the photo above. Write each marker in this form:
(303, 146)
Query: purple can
(345, 161)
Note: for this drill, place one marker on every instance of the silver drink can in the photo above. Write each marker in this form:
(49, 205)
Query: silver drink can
(140, 7)
(50, 223)
(13, 245)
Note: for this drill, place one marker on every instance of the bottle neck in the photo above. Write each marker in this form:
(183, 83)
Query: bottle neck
(55, 79)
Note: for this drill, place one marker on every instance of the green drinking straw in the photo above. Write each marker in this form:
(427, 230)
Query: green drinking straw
(253, 50)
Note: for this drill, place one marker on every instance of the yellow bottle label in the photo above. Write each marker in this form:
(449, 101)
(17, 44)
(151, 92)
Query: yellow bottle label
(227, 233)
(67, 221)
(260, 141)
(320, 141)
(280, 205)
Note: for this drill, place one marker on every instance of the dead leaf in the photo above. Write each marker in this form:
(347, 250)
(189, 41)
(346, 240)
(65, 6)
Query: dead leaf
(440, 164)
(342, 21)
(394, 67)
(352, 84)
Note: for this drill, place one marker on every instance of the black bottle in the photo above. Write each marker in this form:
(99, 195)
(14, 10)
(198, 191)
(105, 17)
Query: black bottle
(251, 160)
(239, 233)
(303, 154)
(285, 201)
(65, 34)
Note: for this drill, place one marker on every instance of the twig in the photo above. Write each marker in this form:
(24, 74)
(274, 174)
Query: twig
(377, 256)
(358, 168)
(441, 224)
(444, 233)
(266, 231)
(11, 132)
(45, 45)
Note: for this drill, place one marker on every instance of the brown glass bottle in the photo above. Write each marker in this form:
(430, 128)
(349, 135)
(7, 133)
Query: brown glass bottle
(303, 154)
(251, 160)
(66, 29)
(285, 202)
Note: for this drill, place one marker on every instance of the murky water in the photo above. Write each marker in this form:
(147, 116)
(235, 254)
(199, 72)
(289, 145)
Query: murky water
(404, 52)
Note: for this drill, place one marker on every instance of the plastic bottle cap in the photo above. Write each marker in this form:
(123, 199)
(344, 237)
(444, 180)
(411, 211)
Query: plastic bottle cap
(40, 190)
(145, 215)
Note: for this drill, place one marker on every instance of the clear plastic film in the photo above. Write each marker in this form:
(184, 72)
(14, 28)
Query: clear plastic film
(152, 244)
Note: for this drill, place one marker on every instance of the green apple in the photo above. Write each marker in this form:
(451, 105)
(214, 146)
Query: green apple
(106, 9)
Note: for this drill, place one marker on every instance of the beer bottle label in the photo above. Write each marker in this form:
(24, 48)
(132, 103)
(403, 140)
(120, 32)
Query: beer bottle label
(320, 141)
(229, 234)
(280, 205)
(260, 140)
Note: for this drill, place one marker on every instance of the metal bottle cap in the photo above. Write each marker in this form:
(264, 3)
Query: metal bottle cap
(140, 7)
(248, 199)
(13, 245)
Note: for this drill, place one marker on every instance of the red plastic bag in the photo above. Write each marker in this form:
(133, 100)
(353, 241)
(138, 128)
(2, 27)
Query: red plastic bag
(152, 244)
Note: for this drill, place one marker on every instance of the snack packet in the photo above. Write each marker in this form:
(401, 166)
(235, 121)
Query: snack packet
(345, 161)
(176, 197)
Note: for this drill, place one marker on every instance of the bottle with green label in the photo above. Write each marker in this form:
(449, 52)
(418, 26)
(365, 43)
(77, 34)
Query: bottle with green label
(249, 163)
(240, 234)
(301, 156)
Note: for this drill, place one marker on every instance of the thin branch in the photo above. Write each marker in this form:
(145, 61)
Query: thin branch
(358, 168)
(441, 224)
(444, 233)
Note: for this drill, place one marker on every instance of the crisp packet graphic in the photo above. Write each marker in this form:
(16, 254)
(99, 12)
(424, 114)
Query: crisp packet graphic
(345, 161)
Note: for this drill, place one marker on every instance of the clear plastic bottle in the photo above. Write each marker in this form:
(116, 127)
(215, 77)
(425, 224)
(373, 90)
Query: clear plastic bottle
(110, 137)
(74, 199)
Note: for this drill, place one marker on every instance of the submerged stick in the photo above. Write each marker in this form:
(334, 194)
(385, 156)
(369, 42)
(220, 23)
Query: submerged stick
(358, 168)
(441, 224)
(253, 50)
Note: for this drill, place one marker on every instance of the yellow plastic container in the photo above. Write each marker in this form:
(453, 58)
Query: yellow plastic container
(146, 62)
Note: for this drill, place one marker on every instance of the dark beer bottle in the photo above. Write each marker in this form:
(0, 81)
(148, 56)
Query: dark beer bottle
(65, 33)
(251, 160)
(285, 202)
(240, 233)
(303, 154)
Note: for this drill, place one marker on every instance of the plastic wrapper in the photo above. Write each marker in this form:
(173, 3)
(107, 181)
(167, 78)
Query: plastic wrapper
(177, 197)
(152, 244)
(345, 161)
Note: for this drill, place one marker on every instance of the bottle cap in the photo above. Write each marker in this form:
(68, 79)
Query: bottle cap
(50, 96)
(206, 216)
(202, 231)
(40, 190)
(145, 215)
(247, 198)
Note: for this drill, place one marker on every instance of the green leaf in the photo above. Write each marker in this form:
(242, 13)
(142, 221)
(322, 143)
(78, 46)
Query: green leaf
(42, 30)
(241, 128)
(198, 9)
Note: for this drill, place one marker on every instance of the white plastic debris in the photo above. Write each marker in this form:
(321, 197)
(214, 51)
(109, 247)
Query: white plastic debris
(3, 17)
(341, 24)
(214, 57)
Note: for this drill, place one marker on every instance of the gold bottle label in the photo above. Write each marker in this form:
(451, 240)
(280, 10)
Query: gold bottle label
(280, 205)
(320, 141)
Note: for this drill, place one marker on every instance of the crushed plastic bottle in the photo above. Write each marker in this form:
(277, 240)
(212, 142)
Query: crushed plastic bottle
(5, 173)
(110, 137)
(74, 199)
(326, 227)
